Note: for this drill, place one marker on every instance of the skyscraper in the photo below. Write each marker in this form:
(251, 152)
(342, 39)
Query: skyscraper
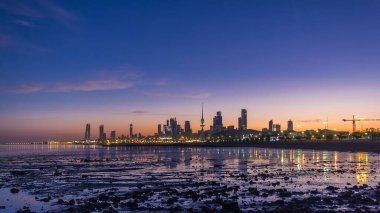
(87, 134)
(290, 125)
(277, 127)
(218, 122)
(101, 132)
(113, 135)
(173, 127)
(244, 119)
(240, 123)
(130, 133)
(159, 130)
(188, 130)
(270, 126)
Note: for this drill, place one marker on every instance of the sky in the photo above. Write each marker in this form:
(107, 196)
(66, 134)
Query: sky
(67, 63)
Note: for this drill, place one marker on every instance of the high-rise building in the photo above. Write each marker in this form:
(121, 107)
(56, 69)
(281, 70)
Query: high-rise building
(188, 130)
(244, 119)
(290, 125)
(101, 132)
(277, 127)
(270, 127)
(173, 127)
(113, 135)
(130, 133)
(159, 130)
(240, 123)
(87, 135)
(104, 136)
(218, 122)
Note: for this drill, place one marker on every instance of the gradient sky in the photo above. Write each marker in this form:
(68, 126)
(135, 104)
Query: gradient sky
(67, 63)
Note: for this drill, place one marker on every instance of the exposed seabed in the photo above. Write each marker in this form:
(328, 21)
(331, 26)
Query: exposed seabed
(191, 179)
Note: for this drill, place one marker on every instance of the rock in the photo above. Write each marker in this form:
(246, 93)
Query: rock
(72, 202)
(20, 173)
(230, 206)
(46, 199)
(14, 190)
(331, 188)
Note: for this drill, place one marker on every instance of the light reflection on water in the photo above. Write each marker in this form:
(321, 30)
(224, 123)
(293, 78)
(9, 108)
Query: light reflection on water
(357, 165)
(99, 168)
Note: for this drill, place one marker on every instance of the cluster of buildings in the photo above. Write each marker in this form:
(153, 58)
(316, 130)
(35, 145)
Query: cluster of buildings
(173, 131)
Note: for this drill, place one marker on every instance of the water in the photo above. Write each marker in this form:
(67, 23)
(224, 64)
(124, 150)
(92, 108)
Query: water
(180, 178)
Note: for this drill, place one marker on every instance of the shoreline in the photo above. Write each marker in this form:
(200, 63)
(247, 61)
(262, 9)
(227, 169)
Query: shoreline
(342, 146)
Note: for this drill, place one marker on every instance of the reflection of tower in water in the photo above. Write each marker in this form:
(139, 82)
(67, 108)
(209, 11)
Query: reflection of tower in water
(362, 168)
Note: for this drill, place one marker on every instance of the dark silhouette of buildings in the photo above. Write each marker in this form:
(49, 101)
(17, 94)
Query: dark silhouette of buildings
(270, 127)
(159, 130)
(290, 126)
(277, 127)
(87, 134)
(101, 132)
(218, 123)
(130, 133)
(113, 135)
(188, 130)
(242, 121)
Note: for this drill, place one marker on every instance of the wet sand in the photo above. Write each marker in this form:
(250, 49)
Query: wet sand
(351, 146)
(187, 179)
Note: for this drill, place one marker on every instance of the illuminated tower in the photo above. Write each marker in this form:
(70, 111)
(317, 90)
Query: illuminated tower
(87, 133)
(244, 119)
(202, 126)
(130, 133)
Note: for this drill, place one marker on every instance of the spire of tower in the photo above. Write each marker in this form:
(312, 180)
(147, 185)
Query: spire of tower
(202, 126)
(202, 110)
(202, 119)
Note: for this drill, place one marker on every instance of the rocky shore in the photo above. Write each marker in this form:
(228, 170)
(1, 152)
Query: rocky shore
(188, 179)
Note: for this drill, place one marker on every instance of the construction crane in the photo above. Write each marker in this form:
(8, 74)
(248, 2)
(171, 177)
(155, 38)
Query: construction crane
(354, 120)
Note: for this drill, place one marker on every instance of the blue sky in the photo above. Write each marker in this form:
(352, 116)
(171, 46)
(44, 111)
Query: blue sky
(66, 63)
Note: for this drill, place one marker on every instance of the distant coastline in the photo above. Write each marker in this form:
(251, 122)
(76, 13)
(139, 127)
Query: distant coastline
(350, 146)
(336, 145)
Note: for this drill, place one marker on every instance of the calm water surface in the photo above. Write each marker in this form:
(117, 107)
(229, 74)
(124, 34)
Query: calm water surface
(80, 172)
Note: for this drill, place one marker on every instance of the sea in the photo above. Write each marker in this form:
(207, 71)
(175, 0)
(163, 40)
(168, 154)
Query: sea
(73, 178)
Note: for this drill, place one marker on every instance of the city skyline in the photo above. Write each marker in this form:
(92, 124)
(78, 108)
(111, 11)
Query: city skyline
(65, 63)
(175, 130)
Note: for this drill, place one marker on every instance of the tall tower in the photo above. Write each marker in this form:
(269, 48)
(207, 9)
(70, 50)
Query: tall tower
(290, 125)
(202, 126)
(87, 133)
(130, 133)
(218, 122)
(244, 119)
(113, 135)
(101, 132)
(188, 130)
(270, 125)
(159, 130)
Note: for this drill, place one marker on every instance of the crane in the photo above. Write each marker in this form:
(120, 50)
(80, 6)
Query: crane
(358, 119)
